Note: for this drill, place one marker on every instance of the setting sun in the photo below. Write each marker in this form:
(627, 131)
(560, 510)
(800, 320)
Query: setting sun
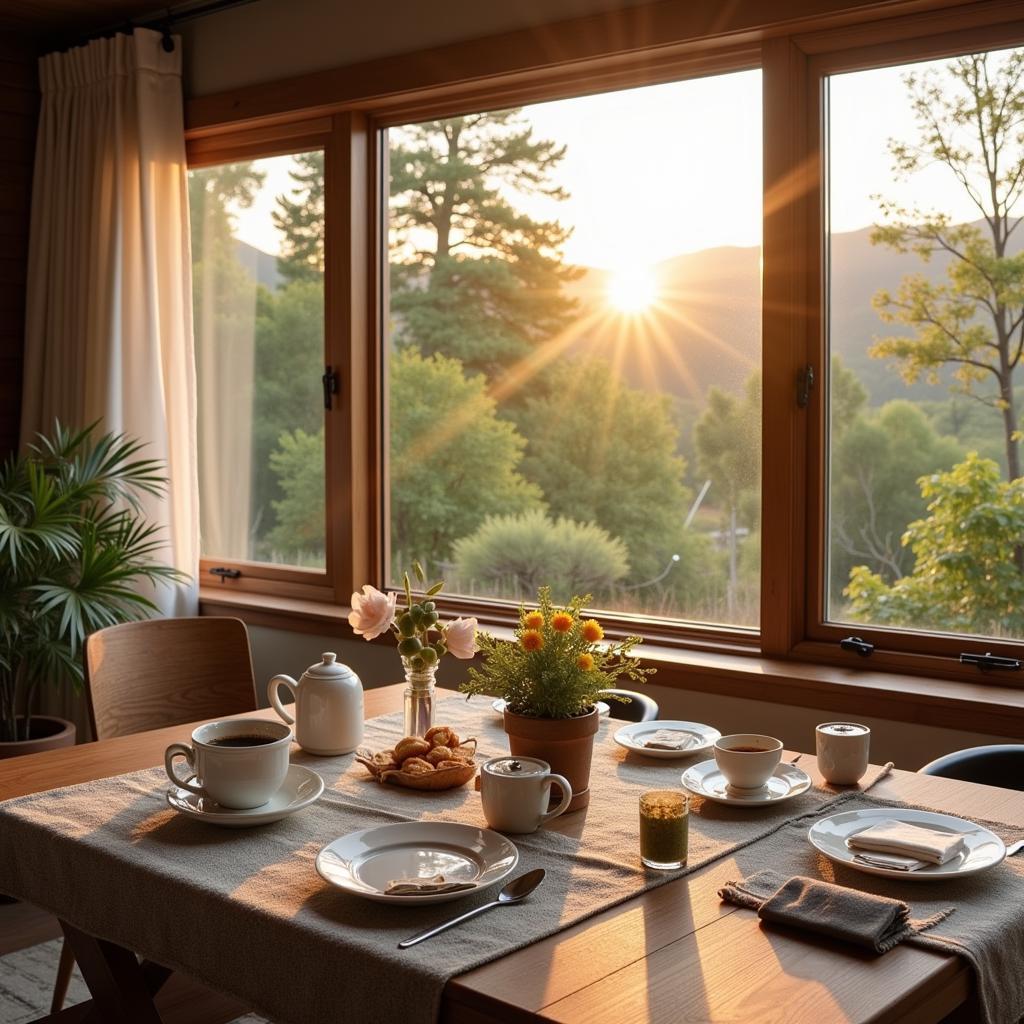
(632, 290)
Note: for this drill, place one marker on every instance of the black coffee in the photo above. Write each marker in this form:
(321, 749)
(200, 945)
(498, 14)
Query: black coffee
(241, 741)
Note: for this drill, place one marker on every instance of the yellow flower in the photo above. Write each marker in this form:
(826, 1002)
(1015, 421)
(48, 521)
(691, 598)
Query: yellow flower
(533, 620)
(585, 662)
(561, 622)
(532, 640)
(592, 631)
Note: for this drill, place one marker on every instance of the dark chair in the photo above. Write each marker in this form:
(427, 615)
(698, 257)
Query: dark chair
(640, 708)
(1001, 764)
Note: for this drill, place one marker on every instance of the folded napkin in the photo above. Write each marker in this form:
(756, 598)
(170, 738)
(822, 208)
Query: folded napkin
(424, 886)
(670, 739)
(905, 847)
(874, 922)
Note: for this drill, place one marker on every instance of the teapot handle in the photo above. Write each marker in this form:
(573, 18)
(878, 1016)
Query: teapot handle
(275, 701)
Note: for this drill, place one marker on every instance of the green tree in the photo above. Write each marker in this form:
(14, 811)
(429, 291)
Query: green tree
(514, 555)
(298, 535)
(874, 466)
(847, 398)
(603, 452)
(969, 121)
(212, 193)
(964, 577)
(453, 461)
(728, 437)
(472, 276)
(301, 220)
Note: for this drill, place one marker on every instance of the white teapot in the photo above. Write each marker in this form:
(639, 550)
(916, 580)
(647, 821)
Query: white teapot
(328, 707)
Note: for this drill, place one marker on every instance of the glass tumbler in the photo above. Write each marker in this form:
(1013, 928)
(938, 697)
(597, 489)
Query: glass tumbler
(664, 829)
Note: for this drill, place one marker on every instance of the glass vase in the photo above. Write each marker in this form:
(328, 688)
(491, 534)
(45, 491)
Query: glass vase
(419, 698)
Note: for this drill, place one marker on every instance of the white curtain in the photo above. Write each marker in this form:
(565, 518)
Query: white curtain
(109, 305)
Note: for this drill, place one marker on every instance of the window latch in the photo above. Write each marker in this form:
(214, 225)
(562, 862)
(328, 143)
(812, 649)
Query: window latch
(330, 383)
(225, 574)
(988, 661)
(804, 385)
(857, 646)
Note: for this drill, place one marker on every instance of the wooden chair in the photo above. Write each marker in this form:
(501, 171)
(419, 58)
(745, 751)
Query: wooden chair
(147, 675)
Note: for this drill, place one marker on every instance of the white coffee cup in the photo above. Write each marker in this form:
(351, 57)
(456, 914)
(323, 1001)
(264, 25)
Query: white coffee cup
(240, 775)
(748, 768)
(843, 751)
(516, 791)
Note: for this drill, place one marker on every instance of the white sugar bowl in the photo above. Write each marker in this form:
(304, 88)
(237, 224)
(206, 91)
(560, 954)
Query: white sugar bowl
(328, 707)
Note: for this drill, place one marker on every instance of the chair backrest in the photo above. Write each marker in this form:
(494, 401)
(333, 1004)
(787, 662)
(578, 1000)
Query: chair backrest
(640, 708)
(1001, 764)
(147, 675)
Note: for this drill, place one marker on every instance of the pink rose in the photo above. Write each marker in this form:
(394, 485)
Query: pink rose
(372, 612)
(460, 638)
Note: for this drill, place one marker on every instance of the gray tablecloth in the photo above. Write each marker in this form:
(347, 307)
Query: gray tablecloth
(246, 912)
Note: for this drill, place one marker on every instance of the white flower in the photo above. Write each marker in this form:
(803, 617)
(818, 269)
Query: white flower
(372, 612)
(460, 638)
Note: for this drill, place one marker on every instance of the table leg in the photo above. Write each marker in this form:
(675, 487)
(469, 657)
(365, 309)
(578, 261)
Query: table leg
(122, 988)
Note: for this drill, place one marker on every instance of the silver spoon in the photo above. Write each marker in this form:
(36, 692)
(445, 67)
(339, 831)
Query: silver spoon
(516, 890)
(1014, 848)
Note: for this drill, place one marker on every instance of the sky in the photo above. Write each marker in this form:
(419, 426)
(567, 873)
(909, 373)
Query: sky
(669, 169)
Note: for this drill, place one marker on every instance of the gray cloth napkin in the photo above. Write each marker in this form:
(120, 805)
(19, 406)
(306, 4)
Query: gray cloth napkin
(874, 922)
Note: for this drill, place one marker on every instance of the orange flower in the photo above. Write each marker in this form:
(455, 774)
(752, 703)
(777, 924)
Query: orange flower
(561, 622)
(532, 640)
(533, 620)
(592, 631)
(585, 662)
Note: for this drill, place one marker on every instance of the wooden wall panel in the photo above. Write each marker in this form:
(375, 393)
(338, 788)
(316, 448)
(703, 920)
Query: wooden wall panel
(19, 112)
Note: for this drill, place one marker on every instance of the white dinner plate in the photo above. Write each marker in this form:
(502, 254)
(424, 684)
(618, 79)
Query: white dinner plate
(301, 787)
(706, 780)
(602, 708)
(984, 848)
(632, 737)
(365, 862)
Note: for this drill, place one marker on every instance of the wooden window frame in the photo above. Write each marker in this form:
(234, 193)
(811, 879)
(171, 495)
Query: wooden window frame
(640, 46)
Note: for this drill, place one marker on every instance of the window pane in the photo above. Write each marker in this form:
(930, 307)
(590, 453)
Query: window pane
(257, 270)
(926, 302)
(575, 349)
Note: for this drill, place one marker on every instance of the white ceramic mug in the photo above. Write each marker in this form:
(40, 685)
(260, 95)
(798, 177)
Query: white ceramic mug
(240, 776)
(843, 751)
(748, 768)
(516, 791)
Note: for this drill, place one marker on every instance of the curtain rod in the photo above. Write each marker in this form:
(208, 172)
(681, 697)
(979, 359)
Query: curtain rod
(168, 20)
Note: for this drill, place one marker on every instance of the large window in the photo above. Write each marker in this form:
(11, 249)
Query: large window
(926, 327)
(258, 281)
(574, 349)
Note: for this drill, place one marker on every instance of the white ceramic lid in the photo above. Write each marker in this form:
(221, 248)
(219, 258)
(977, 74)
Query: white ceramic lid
(843, 729)
(329, 668)
(517, 767)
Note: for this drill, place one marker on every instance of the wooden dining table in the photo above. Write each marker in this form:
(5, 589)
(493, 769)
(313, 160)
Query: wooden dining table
(674, 955)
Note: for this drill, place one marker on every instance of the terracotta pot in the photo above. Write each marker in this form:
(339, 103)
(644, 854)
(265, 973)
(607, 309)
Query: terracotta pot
(45, 733)
(567, 744)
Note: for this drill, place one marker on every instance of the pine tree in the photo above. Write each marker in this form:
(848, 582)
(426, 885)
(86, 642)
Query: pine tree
(301, 220)
(472, 276)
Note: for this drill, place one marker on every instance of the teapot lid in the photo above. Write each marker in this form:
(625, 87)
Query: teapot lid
(329, 668)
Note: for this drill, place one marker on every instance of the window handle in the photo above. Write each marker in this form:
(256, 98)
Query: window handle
(988, 661)
(858, 646)
(330, 383)
(804, 385)
(225, 574)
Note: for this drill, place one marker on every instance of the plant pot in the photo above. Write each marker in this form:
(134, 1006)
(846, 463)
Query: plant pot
(567, 744)
(45, 733)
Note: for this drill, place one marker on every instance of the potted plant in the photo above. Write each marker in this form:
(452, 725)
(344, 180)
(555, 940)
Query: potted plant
(73, 542)
(550, 679)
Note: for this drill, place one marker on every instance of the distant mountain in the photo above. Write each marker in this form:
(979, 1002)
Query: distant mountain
(706, 327)
(262, 265)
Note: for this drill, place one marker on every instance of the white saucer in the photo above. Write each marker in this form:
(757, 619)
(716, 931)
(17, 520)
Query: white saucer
(300, 788)
(984, 849)
(706, 780)
(363, 863)
(632, 737)
(603, 710)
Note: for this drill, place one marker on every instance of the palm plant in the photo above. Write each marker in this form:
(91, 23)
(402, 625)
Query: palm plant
(73, 544)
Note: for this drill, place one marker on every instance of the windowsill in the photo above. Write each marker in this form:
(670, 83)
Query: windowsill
(976, 707)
